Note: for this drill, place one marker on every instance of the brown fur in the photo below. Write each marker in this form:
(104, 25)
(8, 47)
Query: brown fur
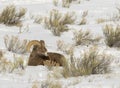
(56, 57)
(38, 56)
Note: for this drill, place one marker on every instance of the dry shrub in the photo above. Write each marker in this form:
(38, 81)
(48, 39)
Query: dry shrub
(35, 84)
(91, 62)
(1, 54)
(37, 19)
(83, 18)
(66, 48)
(84, 37)
(57, 22)
(14, 44)
(53, 84)
(10, 15)
(55, 73)
(50, 64)
(116, 17)
(9, 66)
(101, 20)
(95, 63)
(66, 3)
(23, 28)
(55, 2)
(18, 65)
(18, 62)
(46, 84)
(5, 65)
(112, 35)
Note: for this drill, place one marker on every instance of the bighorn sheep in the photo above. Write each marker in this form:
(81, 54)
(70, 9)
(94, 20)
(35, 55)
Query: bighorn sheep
(39, 54)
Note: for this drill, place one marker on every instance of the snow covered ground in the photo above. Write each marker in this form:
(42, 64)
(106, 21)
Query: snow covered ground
(96, 9)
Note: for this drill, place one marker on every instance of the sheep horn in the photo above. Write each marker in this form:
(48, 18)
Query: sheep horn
(33, 42)
(42, 43)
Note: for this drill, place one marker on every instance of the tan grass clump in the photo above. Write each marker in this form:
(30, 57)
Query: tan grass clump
(116, 17)
(14, 44)
(5, 65)
(9, 66)
(18, 62)
(55, 2)
(83, 20)
(100, 20)
(47, 84)
(57, 22)
(66, 48)
(112, 35)
(91, 62)
(66, 3)
(10, 15)
(37, 19)
(84, 37)
(50, 64)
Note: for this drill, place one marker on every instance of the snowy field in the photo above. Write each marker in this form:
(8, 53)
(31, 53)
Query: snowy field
(35, 75)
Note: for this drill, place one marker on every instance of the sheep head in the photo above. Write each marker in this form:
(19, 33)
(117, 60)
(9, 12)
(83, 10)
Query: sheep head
(38, 47)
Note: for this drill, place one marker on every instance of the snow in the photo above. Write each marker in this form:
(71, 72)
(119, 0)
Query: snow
(96, 9)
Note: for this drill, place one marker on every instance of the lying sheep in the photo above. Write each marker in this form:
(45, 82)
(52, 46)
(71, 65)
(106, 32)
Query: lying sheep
(39, 54)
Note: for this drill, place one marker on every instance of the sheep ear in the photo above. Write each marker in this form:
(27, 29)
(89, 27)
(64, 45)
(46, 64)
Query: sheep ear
(42, 43)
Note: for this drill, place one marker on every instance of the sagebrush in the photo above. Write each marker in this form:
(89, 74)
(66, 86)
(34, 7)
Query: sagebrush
(9, 66)
(82, 37)
(66, 48)
(116, 17)
(14, 44)
(50, 64)
(55, 2)
(83, 18)
(66, 3)
(11, 16)
(112, 35)
(101, 20)
(91, 62)
(46, 84)
(37, 18)
(57, 22)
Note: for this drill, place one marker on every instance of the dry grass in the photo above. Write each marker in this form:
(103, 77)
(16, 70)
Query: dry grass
(37, 18)
(50, 64)
(9, 66)
(91, 62)
(23, 28)
(100, 20)
(55, 2)
(53, 84)
(14, 44)
(84, 37)
(112, 35)
(66, 3)
(66, 48)
(46, 84)
(19, 62)
(57, 22)
(83, 18)
(5, 65)
(116, 17)
(11, 16)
